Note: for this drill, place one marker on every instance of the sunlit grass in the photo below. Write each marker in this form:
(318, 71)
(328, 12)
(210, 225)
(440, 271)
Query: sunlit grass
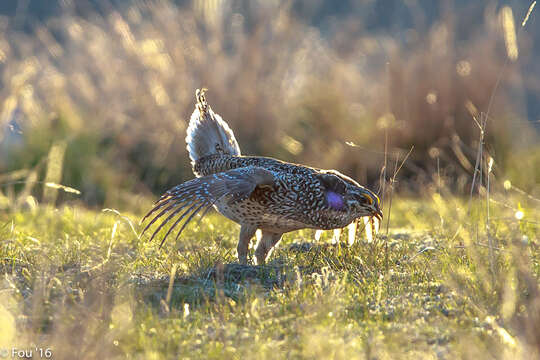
(111, 91)
(82, 283)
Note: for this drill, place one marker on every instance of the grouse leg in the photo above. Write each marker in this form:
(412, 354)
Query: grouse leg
(265, 245)
(246, 233)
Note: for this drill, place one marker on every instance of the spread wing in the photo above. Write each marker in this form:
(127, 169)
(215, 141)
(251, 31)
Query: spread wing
(184, 201)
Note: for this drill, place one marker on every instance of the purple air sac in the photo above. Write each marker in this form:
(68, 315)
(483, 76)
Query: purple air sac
(335, 200)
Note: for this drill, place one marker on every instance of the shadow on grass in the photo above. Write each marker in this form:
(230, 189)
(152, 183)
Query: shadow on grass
(231, 280)
(207, 285)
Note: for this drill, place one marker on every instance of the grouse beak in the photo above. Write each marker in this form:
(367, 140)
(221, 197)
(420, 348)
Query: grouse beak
(374, 204)
(378, 214)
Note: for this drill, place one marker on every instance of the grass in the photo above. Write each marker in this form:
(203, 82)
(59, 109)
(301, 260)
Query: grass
(115, 88)
(81, 283)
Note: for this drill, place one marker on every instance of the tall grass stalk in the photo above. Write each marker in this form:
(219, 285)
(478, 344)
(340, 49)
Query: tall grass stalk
(392, 184)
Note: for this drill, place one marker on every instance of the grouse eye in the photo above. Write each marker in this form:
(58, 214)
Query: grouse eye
(361, 199)
(364, 199)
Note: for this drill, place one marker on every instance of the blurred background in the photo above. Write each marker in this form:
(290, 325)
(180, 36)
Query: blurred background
(96, 94)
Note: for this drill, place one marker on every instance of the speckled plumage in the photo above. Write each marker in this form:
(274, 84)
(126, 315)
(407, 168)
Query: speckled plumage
(257, 192)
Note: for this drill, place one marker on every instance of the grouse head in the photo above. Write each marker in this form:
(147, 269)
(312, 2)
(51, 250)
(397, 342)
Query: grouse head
(343, 194)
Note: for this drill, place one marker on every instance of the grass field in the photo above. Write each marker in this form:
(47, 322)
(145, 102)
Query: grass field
(82, 284)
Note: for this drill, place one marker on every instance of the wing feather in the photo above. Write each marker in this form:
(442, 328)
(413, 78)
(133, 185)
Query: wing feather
(170, 207)
(171, 216)
(202, 193)
(190, 209)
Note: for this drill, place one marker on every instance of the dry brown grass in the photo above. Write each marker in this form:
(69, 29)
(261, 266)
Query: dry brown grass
(118, 88)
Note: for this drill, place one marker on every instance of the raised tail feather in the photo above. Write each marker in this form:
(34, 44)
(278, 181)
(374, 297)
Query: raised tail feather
(207, 133)
(200, 194)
